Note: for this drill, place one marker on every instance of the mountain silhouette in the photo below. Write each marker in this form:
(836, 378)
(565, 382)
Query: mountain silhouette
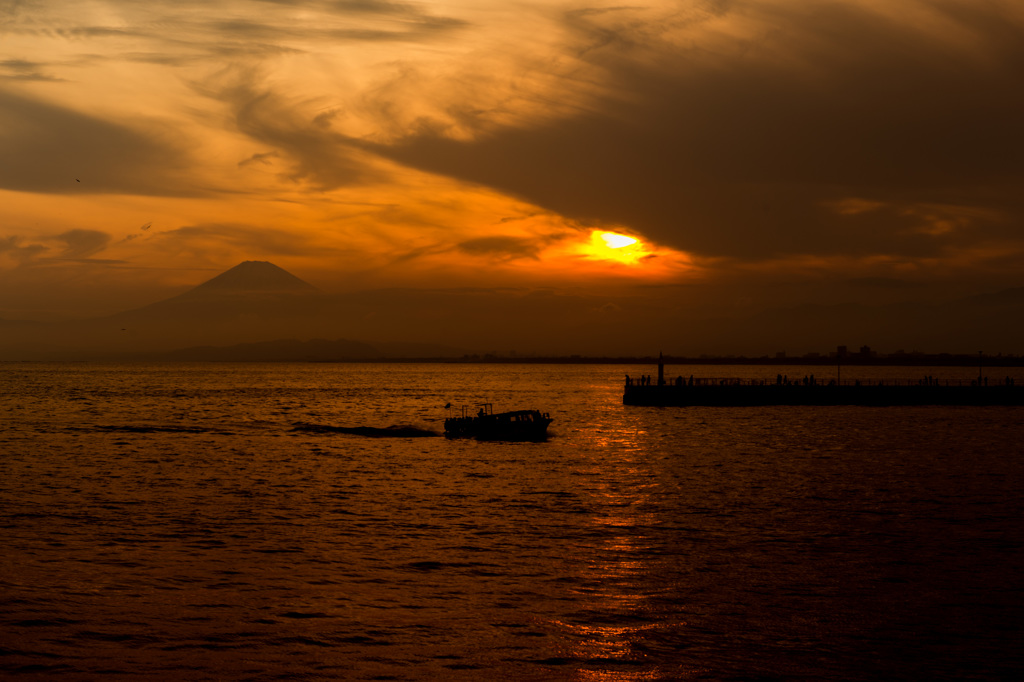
(255, 310)
(269, 313)
(250, 289)
(252, 302)
(253, 276)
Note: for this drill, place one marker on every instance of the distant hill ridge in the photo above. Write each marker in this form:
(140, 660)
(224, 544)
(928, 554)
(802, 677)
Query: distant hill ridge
(318, 350)
(252, 309)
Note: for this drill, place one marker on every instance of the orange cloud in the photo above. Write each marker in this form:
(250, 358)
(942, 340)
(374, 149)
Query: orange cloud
(402, 144)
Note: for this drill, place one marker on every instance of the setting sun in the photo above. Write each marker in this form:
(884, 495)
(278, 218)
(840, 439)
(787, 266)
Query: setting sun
(616, 247)
(616, 241)
(606, 252)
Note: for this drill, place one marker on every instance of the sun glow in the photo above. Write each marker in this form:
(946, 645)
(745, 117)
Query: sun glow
(617, 252)
(615, 247)
(616, 241)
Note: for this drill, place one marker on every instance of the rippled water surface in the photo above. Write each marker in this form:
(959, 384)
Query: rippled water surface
(184, 521)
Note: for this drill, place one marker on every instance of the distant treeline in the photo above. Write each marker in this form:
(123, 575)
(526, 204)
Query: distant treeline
(896, 359)
(343, 350)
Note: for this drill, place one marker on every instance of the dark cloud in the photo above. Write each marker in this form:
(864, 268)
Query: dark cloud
(328, 161)
(403, 22)
(373, 7)
(882, 283)
(97, 32)
(160, 58)
(83, 243)
(368, 6)
(504, 247)
(23, 70)
(249, 30)
(77, 245)
(244, 48)
(743, 148)
(260, 158)
(212, 241)
(46, 147)
(14, 247)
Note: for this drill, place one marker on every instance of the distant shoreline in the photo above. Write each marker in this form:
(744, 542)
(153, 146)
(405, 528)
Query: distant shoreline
(925, 360)
(230, 355)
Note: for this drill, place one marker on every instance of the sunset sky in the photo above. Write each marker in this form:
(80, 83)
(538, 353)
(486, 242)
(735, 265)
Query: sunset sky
(761, 153)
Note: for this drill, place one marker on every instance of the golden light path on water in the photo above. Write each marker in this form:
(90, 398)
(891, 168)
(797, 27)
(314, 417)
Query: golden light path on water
(615, 580)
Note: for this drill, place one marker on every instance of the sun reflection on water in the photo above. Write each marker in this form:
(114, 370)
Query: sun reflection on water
(619, 572)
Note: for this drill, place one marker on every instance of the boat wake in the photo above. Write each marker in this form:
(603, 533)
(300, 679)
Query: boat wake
(368, 431)
(134, 428)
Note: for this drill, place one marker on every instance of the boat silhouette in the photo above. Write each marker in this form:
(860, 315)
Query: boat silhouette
(515, 425)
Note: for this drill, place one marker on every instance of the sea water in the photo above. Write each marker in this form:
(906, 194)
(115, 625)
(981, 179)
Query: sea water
(182, 521)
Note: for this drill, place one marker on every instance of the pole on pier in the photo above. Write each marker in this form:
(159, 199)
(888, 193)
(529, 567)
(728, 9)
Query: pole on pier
(661, 369)
(979, 368)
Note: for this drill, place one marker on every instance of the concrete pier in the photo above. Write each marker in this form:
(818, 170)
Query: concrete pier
(742, 393)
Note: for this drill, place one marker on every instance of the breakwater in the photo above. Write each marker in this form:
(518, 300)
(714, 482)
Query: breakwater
(744, 393)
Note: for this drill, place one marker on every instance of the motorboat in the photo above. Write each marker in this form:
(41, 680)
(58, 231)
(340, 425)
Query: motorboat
(486, 424)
